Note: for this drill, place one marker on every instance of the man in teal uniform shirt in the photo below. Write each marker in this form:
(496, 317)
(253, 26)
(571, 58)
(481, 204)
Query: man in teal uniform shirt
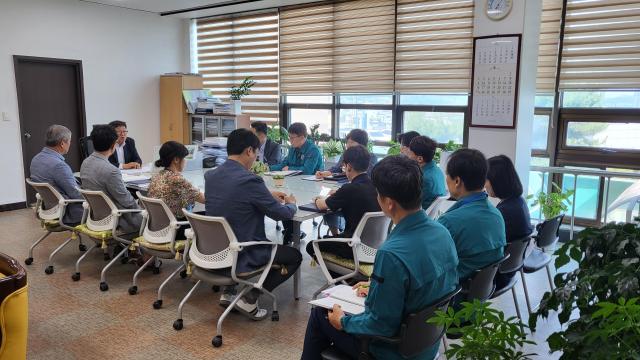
(422, 149)
(475, 224)
(304, 155)
(414, 267)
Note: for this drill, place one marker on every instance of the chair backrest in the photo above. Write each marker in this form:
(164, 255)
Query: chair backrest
(159, 227)
(14, 304)
(482, 284)
(516, 251)
(86, 146)
(372, 231)
(49, 205)
(432, 210)
(101, 210)
(549, 231)
(212, 237)
(416, 334)
(442, 208)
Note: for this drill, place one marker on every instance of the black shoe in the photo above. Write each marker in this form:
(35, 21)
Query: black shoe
(286, 240)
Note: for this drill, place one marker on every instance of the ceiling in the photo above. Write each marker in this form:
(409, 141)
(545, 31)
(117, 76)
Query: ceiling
(196, 8)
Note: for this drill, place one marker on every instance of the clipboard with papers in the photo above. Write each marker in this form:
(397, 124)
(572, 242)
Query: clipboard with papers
(342, 295)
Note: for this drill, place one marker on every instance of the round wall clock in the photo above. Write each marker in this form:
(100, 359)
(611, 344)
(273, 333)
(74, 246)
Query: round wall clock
(498, 9)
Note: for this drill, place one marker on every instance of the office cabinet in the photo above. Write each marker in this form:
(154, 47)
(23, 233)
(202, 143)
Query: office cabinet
(174, 118)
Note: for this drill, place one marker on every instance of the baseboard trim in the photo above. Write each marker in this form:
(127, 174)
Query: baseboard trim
(13, 206)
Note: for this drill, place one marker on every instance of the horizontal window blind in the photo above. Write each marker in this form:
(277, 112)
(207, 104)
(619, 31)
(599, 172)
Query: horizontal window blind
(601, 48)
(337, 46)
(434, 49)
(231, 48)
(548, 46)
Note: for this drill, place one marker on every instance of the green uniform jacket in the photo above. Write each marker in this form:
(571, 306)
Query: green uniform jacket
(414, 267)
(433, 184)
(478, 230)
(307, 159)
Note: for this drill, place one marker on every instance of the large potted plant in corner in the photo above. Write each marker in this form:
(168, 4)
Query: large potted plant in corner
(598, 302)
(554, 203)
(237, 93)
(331, 150)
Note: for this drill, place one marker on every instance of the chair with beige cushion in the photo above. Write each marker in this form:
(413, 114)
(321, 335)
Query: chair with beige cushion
(368, 237)
(50, 210)
(14, 309)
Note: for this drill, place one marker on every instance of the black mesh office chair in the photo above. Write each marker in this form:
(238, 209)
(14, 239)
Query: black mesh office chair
(86, 146)
(516, 251)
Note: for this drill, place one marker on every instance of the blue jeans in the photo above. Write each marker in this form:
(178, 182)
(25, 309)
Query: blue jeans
(334, 220)
(321, 334)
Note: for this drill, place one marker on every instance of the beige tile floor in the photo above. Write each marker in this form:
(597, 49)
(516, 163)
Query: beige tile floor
(74, 320)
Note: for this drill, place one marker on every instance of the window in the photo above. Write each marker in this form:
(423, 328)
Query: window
(309, 99)
(601, 99)
(311, 117)
(604, 135)
(435, 99)
(550, 22)
(540, 133)
(376, 122)
(440, 126)
(373, 99)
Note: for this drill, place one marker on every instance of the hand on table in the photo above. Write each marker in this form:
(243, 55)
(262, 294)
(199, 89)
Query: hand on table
(278, 195)
(333, 191)
(286, 168)
(131, 165)
(362, 288)
(322, 174)
(335, 316)
(290, 199)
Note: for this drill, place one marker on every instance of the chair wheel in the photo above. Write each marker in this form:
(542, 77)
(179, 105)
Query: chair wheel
(28, 261)
(217, 341)
(75, 277)
(104, 286)
(82, 247)
(155, 270)
(275, 316)
(48, 270)
(183, 274)
(107, 257)
(177, 324)
(157, 304)
(133, 290)
(215, 288)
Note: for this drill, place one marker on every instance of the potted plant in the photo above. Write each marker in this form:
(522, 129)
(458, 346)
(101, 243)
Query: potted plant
(278, 180)
(332, 149)
(259, 168)
(316, 136)
(553, 203)
(238, 92)
(442, 153)
(394, 148)
(598, 301)
(484, 332)
(278, 134)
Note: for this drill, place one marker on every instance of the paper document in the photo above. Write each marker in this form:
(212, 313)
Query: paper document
(342, 295)
(311, 178)
(144, 169)
(128, 178)
(347, 307)
(283, 173)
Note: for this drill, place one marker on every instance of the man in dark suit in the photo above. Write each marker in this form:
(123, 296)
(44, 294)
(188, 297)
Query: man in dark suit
(125, 155)
(269, 151)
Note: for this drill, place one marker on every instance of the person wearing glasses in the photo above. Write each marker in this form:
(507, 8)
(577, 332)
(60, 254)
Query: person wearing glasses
(304, 155)
(125, 155)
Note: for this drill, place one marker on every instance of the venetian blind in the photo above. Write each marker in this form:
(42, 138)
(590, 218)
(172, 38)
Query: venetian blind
(434, 49)
(601, 46)
(337, 46)
(231, 48)
(548, 46)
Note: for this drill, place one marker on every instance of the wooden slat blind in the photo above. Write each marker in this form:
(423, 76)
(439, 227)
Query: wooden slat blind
(434, 49)
(337, 46)
(548, 46)
(601, 48)
(231, 48)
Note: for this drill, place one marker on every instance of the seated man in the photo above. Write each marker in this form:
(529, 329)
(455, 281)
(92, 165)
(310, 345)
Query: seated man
(48, 166)
(96, 173)
(475, 224)
(422, 149)
(353, 199)
(405, 139)
(354, 137)
(125, 155)
(414, 267)
(241, 197)
(269, 151)
(304, 155)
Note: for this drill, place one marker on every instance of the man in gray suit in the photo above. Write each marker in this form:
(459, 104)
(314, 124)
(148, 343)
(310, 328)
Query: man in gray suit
(97, 173)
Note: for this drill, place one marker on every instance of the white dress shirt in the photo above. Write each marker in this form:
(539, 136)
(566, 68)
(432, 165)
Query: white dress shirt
(120, 154)
(261, 152)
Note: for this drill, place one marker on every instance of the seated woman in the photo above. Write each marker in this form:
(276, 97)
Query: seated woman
(503, 183)
(169, 184)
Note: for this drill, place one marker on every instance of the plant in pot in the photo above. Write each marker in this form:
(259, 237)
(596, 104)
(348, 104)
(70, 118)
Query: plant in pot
(484, 333)
(332, 149)
(278, 180)
(554, 203)
(278, 134)
(394, 148)
(237, 93)
(259, 168)
(598, 302)
(443, 152)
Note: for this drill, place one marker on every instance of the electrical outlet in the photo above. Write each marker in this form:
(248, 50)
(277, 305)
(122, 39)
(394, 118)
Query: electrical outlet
(5, 116)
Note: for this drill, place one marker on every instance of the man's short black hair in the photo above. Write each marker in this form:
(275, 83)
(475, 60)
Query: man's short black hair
(503, 177)
(260, 127)
(117, 123)
(405, 139)
(299, 129)
(358, 135)
(399, 178)
(423, 146)
(358, 157)
(470, 166)
(240, 139)
(103, 137)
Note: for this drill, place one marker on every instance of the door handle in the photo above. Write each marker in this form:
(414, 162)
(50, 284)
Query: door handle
(27, 135)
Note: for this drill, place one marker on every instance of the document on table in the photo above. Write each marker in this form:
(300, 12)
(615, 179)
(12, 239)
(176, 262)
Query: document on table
(311, 178)
(342, 295)
(283, 173)
(128, 178)
(144, 169)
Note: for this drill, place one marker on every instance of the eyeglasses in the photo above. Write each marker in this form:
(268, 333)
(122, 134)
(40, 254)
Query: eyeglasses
(123, 132)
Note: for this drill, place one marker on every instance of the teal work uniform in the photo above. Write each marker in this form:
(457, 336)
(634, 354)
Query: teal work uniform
(307, 159)
(433, 184)
(414, 267)
(478, 231)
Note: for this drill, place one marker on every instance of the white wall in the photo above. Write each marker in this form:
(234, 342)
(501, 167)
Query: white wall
(123, 52)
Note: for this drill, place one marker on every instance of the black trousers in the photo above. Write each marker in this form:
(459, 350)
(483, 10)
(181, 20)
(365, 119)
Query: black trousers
(340, 249)
(287, 258)
(321, 334)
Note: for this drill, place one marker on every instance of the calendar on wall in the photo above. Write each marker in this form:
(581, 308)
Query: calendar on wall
(494, 94)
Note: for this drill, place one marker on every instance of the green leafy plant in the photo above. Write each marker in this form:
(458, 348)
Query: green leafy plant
(554, 203)
(486, 335)
(278, 134)
(450, 146)
(278, 177)
(243, 90)
(316, 136)
(332, 148)
(394, 148)
(259, 168)
(606, 325)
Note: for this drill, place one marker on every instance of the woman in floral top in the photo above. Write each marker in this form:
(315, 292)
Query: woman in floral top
(169, 184)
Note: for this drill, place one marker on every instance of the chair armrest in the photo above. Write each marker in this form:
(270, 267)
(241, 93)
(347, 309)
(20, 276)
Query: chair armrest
(127, 211)
(236, 247)
(239, 245)
(349, 241)
(180, 223)
(73, 201)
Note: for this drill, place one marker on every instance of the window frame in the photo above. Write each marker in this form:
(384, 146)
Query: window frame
(437, 108)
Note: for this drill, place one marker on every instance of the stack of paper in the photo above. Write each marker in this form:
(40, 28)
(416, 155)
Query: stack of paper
(128, 178)
(342, 295)
(283, 173)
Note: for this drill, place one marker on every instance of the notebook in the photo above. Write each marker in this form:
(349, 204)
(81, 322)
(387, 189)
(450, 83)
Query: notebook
(342, 295)
(310, 207)
(283, 173)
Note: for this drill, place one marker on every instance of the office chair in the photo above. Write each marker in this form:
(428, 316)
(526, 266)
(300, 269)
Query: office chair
(516, 252)
(14, 309)
(86, 146)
